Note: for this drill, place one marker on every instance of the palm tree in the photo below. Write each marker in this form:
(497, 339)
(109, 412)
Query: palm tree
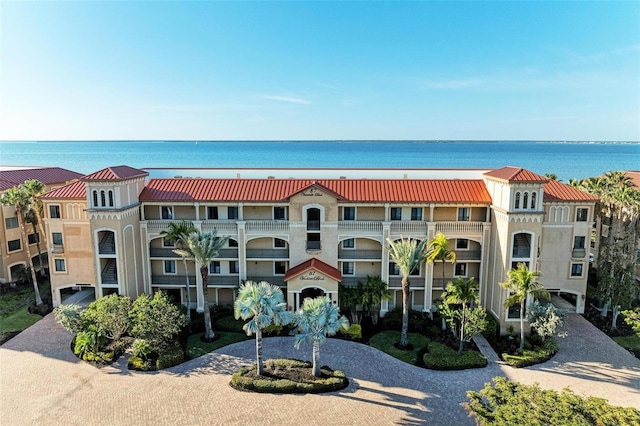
(521, 283)
(317, 319)
(178, 234)
(34, 189)
(372, 292)
(18, 198)
(462, 292)
(408, 254)
(265, 305)
(439, 250)
(204, 247)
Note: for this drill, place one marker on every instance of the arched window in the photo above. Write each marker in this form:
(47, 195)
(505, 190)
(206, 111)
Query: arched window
(95, 198)
(517, 200)
(525, 200)
(533, 200)
(103, 199)
(110, 198)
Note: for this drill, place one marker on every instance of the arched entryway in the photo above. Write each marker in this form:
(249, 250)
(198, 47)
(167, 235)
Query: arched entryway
(311, 293)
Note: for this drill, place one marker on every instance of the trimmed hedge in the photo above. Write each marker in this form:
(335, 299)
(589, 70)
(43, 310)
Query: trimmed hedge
(536, 355)
(229, 323)
(173, 355)
(442, 357)
(354, 332)
(272, 384)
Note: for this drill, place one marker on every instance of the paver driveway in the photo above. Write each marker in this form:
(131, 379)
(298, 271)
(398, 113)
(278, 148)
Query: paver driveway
(42, 382)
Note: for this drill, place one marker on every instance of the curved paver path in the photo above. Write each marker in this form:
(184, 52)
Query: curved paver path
(42, 382)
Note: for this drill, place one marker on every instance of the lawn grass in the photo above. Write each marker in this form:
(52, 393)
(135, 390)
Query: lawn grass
(196, 348)
(19, 320)
(385, 340)
(629, 342)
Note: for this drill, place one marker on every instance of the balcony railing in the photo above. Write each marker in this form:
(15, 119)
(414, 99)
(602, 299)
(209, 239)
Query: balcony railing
(468, 255)
(260, 226)
(106, 248)
(414, 281)
(578, 253)
(462, 227)
(177, 280)
(282, 253)
(360, 254)
(228, 253)
(313, 225)
(226, 280)
(162, 252)
(360, 226)
(313, 245)
(57, 248)
(440, 283)
(224, 227)
(409, 227)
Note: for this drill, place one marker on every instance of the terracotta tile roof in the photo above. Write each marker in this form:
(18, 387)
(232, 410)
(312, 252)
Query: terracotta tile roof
(73, 191)
(515, 174)
(46, 175)
(555, 191)
(115, 173)
(635, 177)
(351, 190)
(316, 264)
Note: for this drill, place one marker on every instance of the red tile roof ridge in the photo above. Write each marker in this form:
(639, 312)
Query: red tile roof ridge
(316, 264)
(76, 190)
(115, 173)
(555, 191)
(515, 174)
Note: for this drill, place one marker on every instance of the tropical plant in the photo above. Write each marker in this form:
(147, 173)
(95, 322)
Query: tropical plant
(177, 234)
(264, 305)
(34, 189)
(30, 217)
(521, 283)
(156, 320)
(20, 199)
(632, 318)
(408, 254)
(69, 317)
(465, 293)
(544, 319)
(317, 319)
(618, 209)
(204, 247)
(372, 292)
(110, 314)
(439, 250)
(350, 297)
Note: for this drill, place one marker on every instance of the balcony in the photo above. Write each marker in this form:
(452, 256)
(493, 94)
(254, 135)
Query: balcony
(461, 228)
(414, 281)
(266, 226)
(162, 252)
(578, 253)
(223, 280)
(360, 227)
(173, 280)
(275, 280)
(57, 249)
(313, 245)
(352, 281)
(360, 254)
(281, 253)
(224, 227)
(468, 255)
(313, 225)
(409, 227)
(228, 253)
(440, 283)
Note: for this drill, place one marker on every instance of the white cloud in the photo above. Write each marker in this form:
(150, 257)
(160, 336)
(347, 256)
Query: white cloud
(287, 99)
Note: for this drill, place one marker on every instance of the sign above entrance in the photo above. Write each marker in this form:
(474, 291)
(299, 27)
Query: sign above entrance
(312, 192)
(311, 276)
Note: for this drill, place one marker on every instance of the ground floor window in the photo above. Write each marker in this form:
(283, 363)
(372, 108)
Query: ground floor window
(576, 269)
(14, 245)
(280, 268)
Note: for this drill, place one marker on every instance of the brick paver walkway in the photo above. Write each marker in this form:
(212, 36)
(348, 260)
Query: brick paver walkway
(42, 382)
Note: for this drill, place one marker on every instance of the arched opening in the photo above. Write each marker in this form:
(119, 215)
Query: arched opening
(310, 293)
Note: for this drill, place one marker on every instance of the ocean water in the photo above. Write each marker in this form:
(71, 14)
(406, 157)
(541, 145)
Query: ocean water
(568, 160)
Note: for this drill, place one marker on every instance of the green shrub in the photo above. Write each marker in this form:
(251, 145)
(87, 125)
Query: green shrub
(533, 356)
(419, 322)
(142, 348)
(156, 319)
(241, 381)
(229, 323)
(91, 340)
(170, 356)
(140, 364)
(69, 317)
(110, 314)
(442, 357)
(354, 332)
(508, 403)
(272, 330)
(492, 330)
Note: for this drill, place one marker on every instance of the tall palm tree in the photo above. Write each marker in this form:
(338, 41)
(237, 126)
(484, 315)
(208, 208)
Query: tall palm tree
(521, 283)
(204, 247)
(408, 254)
(264, 303)
(18, 198)
(462, 292)
(31, 217)
(317, 319)
(439, 250)
(177, 234)
(34, 189)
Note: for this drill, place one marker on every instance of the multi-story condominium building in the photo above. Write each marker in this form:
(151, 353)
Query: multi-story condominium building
(309, 235)
(13, 253)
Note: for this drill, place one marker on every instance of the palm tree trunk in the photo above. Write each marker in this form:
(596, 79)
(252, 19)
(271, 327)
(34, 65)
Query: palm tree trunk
(522, 324)
(259, 365)
(186, 272)
(25, 240)
(35, 233)
(404, 340)
(208, 331)
(316, 358)
(42, 234)
(461, 347)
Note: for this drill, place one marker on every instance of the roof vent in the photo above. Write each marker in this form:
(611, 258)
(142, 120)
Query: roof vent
(177, 177)
(343, 177)
(271, 177)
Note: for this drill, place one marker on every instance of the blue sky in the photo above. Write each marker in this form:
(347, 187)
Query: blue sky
(320, 70)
